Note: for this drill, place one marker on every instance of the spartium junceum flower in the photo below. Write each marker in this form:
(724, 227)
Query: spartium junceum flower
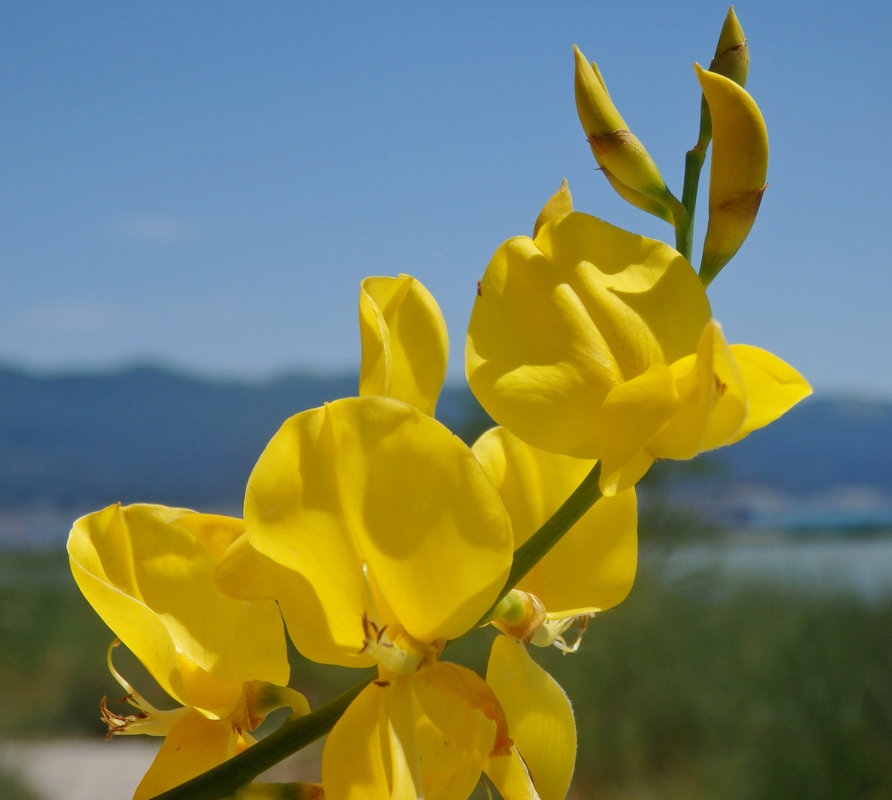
(147, 570)
(592, 568)
(383, 538)
(622, 158)
(597, 343)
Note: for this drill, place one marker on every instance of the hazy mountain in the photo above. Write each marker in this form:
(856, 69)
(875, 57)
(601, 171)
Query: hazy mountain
(149, 434)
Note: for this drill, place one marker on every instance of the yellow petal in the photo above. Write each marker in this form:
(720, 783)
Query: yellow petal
(385, 744)
(562, 321)
(193, 745)
(539, 715)
(773, 387)
(150, 579)
(374, 481)
(738, 171)
(240, 575)
(405, 346)
(630, 417)
(593, 566)
(353, 762)
(560, 203)
(511, 777)
(460, 704)
(712, 400)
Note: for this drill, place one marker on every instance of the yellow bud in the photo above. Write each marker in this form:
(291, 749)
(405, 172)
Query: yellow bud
(732, 54)
(623, 158)
(519, 615)
(560, 203)
(738, 171)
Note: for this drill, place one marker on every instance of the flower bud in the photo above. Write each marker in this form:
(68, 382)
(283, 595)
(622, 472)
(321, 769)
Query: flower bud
(519, 615)
(732, 53)
(622, 158)
(738, 170)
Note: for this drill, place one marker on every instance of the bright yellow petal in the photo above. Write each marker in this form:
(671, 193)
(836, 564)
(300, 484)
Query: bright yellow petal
(374, 481)
(740, 138)
(773, 387)
(561, 321)
(150, 579)
(240, 575)
(593, 566)
(511, 777)
(712, 400)
(560, 203)
(405, 346)
(353, 762)
(193, 745)
(738, 171)
(539, 715)
(631, 416)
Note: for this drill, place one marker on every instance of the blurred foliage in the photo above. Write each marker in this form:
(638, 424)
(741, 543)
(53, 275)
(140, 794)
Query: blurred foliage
(700, 688)
(12, 789)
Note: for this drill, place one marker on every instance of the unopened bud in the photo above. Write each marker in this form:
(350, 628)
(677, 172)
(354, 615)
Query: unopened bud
(732, 54)
(619, 153)
(519, 615)
(738, 171)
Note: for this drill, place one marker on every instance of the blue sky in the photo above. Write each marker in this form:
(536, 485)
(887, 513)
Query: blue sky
(204, 184)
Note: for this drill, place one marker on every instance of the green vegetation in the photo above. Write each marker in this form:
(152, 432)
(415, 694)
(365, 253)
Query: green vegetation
(699, 689)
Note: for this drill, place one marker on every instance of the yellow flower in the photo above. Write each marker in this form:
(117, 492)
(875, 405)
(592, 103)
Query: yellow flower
(383, 538)
(593, 342)
(147, 571)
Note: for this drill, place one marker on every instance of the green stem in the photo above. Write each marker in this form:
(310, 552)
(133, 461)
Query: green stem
(693, 165)
(291, 736)
(225, 779)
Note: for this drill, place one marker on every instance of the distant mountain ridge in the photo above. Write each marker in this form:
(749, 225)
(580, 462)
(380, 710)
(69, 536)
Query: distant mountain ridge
(153, 435)
(148, 434)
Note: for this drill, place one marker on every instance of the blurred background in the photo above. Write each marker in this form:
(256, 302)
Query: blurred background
(191, 194)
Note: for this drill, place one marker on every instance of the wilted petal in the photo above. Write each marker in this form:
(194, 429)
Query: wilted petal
(593, 566)
(372, 481)
(539, 715)
(405, 346)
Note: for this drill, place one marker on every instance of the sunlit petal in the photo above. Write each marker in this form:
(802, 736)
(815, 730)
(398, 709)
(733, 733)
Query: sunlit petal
(772, 387)
(561, 321)
(405, 346)
(539, 716)
(194, 745)
(147, 570)
(372, 481)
